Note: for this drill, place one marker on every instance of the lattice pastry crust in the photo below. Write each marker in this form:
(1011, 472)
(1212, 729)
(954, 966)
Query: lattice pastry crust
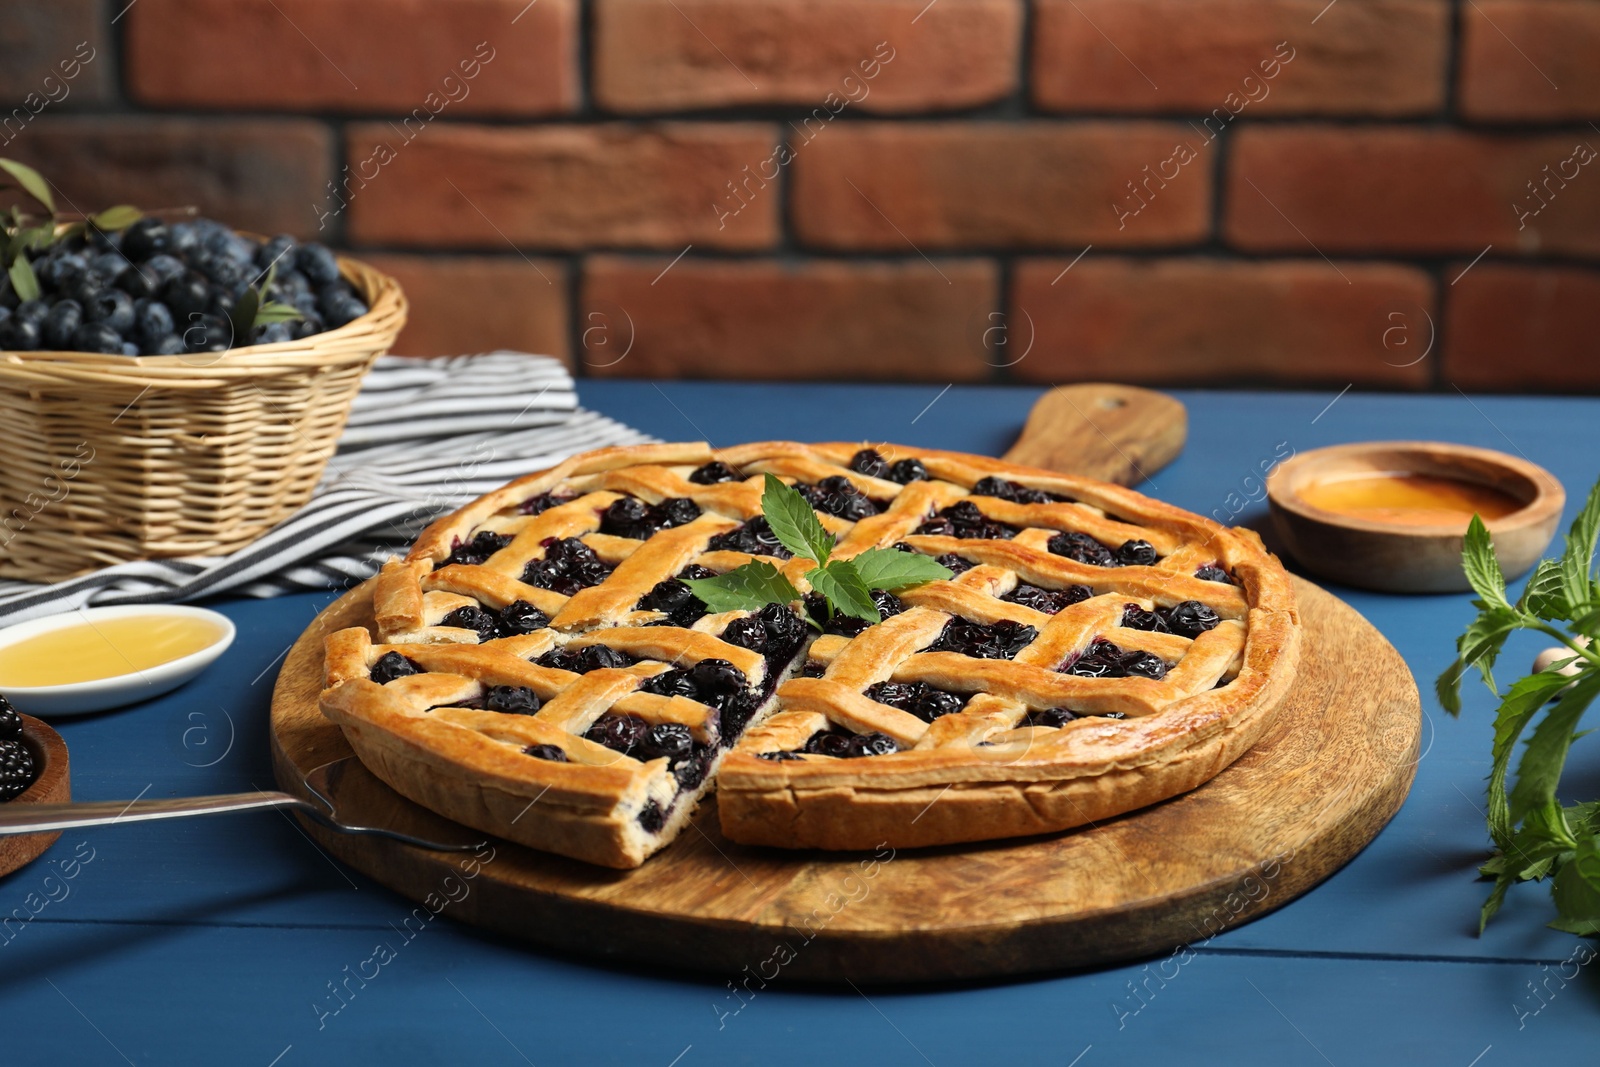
(1195, 635)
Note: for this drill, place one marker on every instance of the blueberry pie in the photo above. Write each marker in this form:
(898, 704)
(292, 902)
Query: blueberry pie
(542, 672)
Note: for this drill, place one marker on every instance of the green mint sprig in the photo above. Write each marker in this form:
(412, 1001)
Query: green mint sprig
(845, 584)
(1535, 836)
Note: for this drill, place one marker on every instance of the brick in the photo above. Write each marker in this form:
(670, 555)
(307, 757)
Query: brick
(562, 187)
(978, 185)
(1290, 322)
(904, 321)
(64, 41)
(1516, 329)
(1549, 72)
(663, 55)
(254, 174)
(356, 55)
(1408, 190)
(1375, 57)
(463, 304)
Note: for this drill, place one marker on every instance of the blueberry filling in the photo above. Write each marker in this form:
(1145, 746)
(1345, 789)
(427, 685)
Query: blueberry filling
(547, 752)
(392, 665)
(568, 566)
(1105, 660)
(1213, 573)
(1048, 601)
(652, 818)
(674, 599)
(483, 545)
(511, 700)
(1017, 494)
(713, 473)
(918, 698)
(1001, 640)
(518, 617)
(1058, 717)
(813, 669)
(777, 755)
(754, 537)
(954, 563)
(1188, 619)
(870, 463)
(536, 505)
(585, 659)
(1136, 554)
(848, 625)
(963, 519)
(838, 496)
(841, 744)
(629, 516)
(906, 471)
(521, 617)
(1082, 548)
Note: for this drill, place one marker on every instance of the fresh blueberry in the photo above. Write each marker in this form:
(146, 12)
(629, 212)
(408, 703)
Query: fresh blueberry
(188, 294)
(208, 333)
(317, 264)
(83, 287)
(18, 334)
(272, 333)
(279, 250)
(170, 345)
(145, 238)
(97, 337)
(62, 323)
(34, 311)
(112, 307)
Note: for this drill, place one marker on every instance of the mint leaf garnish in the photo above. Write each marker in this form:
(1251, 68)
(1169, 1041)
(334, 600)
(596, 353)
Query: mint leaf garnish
(891, 569)
(747, 588)
(1535, 836)
(845, 584)
(1481, 567)
(795, 522)
(841, 583)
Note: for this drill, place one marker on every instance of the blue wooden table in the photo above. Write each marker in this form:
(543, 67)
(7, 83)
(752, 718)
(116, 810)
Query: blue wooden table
(236, 941)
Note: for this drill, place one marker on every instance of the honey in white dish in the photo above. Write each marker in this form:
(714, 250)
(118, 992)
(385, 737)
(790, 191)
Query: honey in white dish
(103, 648)
(1410, 499)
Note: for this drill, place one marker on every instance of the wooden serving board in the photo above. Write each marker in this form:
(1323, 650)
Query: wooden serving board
(1325, 778)
(1116, 433)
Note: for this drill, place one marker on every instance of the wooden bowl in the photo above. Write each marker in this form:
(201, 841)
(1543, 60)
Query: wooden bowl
(53, 786)
(1406, 558)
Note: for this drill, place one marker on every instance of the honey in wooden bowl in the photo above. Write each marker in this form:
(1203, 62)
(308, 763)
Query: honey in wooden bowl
(1408, 499)
(1391, 515)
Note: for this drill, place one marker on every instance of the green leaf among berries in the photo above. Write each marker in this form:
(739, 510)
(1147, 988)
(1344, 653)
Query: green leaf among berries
(841, 583)
(747, 588)
(32, 182)
(794, 522)
(893, 570)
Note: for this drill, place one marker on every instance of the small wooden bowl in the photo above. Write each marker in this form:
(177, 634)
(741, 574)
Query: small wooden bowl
(1410, 558)
(53, 786)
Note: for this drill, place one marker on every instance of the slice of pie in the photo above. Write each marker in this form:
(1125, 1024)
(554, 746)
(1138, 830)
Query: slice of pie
(540, 672)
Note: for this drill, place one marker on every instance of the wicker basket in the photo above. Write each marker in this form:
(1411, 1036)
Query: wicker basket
(105, 459)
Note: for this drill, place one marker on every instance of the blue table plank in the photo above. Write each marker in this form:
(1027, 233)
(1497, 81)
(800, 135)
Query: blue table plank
(209, 941)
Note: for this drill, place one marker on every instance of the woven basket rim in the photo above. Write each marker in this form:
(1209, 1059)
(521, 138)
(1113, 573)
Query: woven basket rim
(382, 291)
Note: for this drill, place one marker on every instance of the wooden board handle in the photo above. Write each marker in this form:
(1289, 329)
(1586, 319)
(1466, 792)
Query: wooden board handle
(1116, 433)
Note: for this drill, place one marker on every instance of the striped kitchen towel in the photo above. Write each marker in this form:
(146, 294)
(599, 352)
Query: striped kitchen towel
(425, 436)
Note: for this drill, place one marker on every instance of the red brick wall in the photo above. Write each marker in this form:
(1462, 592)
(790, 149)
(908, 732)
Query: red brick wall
(1394, 193)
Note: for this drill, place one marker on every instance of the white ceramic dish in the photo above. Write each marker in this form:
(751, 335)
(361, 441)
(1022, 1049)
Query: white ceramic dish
(81, 698)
